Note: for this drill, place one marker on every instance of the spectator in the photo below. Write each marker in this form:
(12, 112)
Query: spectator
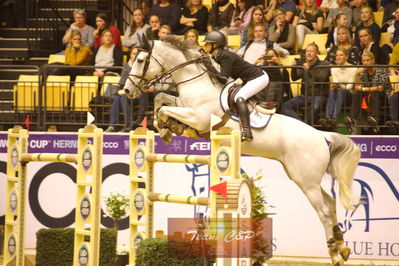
(367, 21)
(340, 20)
(220, 15)
(327, 5)
(389, 11)
(356, 5)
(344, 41)
(340, 88)
(393, 30)
(122, 103)
(76, 54)
(108, 54)
(279, 78)
(137, 27)
(241, 16)
(368, 45)
(394, 60)
(287, 6)
(164, 31)
(194, 16)
(342, 8)
(155, 25)
(86, 31)
(191, 37)
(393, 99)
(168, 12)
(146, 8)
(283, 33)
(369, 94)
(313, 94)
(258, 17)
(254, 51)
(309, 19)
(102, 23)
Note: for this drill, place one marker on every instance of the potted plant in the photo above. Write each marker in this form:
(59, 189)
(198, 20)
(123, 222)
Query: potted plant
(117, 203)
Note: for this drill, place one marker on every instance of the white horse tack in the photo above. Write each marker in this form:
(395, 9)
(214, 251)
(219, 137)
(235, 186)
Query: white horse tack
(305, 153)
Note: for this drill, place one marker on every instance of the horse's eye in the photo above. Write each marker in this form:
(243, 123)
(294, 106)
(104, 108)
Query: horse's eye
(140, 60)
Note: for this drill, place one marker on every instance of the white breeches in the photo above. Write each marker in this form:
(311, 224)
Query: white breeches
(252, 87)
(301, 31)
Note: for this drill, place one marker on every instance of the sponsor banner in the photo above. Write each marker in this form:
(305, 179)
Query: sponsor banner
(371, 147)
(371, 230)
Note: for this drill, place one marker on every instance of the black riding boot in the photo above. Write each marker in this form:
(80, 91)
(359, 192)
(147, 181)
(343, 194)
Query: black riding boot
(243, 113)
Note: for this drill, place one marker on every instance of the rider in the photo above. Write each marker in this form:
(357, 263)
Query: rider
(232, 65)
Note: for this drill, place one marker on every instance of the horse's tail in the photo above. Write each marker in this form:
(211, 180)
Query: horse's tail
(345, 155)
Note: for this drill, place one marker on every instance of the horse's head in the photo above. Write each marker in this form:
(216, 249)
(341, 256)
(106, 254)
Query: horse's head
(144, 69)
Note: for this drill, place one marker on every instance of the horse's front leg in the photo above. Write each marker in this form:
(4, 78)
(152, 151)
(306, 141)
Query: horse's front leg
(195, 118)
(160, 100)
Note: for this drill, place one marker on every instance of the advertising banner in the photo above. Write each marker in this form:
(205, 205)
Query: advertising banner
(371, 230)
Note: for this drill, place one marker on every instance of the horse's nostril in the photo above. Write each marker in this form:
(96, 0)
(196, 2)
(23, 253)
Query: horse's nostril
(127, 91)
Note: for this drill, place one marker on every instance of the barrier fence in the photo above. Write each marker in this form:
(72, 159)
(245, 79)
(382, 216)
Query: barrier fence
(224, 161)
(88, 195)
(59, 100)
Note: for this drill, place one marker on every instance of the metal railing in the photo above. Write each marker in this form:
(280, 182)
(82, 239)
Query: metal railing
(65, 102)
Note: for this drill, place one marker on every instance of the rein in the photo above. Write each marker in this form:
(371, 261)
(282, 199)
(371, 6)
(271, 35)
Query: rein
(144, 83)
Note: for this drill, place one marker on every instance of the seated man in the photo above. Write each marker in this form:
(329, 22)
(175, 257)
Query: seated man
(254, 50)
(314, 94)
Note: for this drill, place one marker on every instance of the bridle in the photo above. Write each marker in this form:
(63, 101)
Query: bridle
(145, 83)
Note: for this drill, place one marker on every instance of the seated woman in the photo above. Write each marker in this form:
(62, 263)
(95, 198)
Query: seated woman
(86, 31)
(108, 54)
(279, 89)
(340, 88)
(367, 22)
(342, 8)
(241, 17)
(169, 13)
(102, 23)
(369, 93)
(340, 20)
(220, 15)
(309, 19)
(138, 26)
(155, 25)
(367, 44)
(258, 17)
(283, 33)
(344, 41)
(194, 16)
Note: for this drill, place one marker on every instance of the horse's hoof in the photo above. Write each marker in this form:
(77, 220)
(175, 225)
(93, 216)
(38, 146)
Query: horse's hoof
(166, 135)
(190, 133)
(339, 263)
(344, 252)
(178, 129)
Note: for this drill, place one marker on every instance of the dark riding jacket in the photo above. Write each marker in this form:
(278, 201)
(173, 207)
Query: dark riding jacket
(232, 65)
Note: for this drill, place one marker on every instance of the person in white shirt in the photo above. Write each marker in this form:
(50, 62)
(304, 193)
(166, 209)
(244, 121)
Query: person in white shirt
(255, 49)
(342, 83)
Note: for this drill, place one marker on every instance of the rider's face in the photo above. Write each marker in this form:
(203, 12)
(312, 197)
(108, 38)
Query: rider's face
(208, 47)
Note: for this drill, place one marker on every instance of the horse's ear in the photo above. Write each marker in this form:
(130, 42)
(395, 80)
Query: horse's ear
(139, 37)
(144, 42)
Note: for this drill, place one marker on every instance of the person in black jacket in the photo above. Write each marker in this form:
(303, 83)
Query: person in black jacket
(314, 94)
(231, 65)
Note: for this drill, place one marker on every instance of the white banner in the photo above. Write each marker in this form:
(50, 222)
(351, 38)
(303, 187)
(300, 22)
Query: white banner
(372, 230)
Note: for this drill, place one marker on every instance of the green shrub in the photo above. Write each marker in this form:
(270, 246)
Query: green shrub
(55, 246)
(167, 252)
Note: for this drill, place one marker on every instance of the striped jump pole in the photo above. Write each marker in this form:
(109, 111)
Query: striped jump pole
(88, 205)
(224, 160)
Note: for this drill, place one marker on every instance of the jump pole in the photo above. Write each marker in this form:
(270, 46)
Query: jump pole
(88, 205)
(223, 161)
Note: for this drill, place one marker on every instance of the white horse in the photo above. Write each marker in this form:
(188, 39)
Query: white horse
(305, 153)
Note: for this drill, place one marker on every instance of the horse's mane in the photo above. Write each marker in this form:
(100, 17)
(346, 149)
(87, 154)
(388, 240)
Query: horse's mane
(187, 49)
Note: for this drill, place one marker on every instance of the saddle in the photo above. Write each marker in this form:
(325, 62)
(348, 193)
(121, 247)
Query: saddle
(264, 107)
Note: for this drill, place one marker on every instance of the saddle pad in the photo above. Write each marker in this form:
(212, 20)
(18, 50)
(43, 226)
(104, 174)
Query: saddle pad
(258, 120)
